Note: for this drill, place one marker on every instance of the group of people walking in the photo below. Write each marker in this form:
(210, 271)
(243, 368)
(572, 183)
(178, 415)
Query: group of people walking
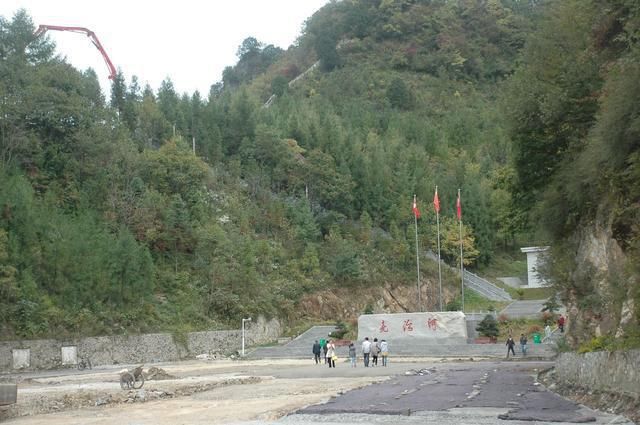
(511, 343)
(523, 338)
(328, 349)
(371, 351)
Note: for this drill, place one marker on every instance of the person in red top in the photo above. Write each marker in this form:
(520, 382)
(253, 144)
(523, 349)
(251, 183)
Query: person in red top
(561, 323)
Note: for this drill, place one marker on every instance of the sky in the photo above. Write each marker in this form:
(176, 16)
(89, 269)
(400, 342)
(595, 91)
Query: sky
(189, 41)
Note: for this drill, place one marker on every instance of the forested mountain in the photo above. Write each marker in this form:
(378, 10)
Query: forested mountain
(109, 222)
(574, 118)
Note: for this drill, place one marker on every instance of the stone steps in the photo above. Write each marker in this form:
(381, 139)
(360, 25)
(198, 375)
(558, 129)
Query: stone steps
(530, 309)
(306, 339)
(300, 348)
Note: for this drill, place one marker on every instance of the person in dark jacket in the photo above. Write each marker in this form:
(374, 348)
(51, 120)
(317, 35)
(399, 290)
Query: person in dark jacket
(316, 352)
(324, 349)
(523, 344)
(375, 350)
(352, 354)
(510, 344)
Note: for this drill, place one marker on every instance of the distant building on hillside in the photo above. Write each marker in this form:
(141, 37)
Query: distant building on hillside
(534, 262)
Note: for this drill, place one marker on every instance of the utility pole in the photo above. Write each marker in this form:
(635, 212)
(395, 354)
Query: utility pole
(416, 214)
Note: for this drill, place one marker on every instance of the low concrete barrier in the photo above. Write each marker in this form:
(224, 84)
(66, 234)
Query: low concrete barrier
(129, 349)
(8, 394)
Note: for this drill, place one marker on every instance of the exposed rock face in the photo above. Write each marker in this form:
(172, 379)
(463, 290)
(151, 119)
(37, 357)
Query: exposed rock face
(600, 300)
(349, 303)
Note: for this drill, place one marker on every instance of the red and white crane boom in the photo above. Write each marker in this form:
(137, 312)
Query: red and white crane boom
(94, 39)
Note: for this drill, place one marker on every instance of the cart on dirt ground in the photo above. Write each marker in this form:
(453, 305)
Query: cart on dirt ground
(132, 379)
(85, 363)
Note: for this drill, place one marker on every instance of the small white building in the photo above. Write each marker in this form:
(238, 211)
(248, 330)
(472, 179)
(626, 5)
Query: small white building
(534, 261)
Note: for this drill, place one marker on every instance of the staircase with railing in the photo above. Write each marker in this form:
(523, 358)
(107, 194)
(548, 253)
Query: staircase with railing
(291, 83)
(476, 283)
(485, 288)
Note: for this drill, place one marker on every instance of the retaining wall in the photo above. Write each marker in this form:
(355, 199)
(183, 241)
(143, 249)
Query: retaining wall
(617, 372)
(127, 349)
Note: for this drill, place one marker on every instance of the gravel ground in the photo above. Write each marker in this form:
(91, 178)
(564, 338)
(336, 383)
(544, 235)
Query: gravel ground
(297, 392)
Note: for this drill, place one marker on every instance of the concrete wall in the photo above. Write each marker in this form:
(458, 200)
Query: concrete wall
(535, 255)
(126, 349)
(617, 372)
(436, 327)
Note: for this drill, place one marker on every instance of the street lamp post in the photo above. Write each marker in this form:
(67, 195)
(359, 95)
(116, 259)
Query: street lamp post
(244, 320)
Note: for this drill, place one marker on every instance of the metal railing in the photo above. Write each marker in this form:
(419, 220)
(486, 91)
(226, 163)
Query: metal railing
(486, 288)
(479, 315)
(552, 334)
(476, 283)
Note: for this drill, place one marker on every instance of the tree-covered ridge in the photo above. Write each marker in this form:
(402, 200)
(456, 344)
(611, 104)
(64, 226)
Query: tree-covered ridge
(467, 39)
(109, 221)
(310, 193)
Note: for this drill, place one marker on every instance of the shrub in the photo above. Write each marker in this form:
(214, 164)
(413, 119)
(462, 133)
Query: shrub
(629, 341)
(488, 327)
(399, 95)
(279, 85)
(562, 346)
(533, 329)
(503, 319)
(520, 293)
(548, 318)
(598, 343)
(340, 332)
(453, 305)
(551, 305)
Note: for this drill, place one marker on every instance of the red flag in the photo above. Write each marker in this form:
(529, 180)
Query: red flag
(416, 211)
(436, 201)
(459, 207)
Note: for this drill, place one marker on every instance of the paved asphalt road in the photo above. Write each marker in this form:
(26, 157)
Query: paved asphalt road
(455, 393)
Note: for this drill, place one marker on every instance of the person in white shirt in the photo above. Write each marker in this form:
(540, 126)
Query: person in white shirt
(331, 354)
(384, 351)
(366, 351)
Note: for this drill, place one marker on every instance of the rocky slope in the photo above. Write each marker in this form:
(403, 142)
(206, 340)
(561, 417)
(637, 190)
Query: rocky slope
(601, 290)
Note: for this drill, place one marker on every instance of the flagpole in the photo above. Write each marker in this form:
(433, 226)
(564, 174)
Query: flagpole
(439, 260)
(459, 212)
(415, 217)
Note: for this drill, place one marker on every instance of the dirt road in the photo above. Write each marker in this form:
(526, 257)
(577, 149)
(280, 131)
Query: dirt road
(261, 392)
(202, 392)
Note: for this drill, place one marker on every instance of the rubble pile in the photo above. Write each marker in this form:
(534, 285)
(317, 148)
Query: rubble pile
(157, 374)
(420, 372)
(212, 356)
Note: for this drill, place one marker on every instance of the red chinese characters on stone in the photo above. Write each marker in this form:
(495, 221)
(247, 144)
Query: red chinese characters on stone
(432, 324)
(383, 327)
(407, 326)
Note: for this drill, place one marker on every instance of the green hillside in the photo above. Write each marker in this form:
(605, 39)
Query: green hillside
(109, 223)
